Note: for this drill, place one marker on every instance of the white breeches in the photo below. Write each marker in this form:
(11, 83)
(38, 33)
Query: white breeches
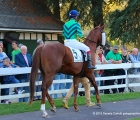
(77, 45)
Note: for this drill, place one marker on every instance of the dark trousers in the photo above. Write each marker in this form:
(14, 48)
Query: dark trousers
(102, 81)
(2, 82)
(109, 82)
(121, 81)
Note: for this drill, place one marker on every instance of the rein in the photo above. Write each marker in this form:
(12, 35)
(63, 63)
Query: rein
(90, 40)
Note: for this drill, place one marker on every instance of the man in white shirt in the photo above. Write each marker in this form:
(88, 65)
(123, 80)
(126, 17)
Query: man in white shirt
(135, 58)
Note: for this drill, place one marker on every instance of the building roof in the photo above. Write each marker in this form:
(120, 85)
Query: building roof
(27, 14)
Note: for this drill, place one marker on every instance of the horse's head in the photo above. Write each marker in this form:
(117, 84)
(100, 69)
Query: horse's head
(97, 35)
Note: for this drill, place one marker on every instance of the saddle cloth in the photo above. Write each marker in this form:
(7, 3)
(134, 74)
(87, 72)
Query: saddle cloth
(78, 55)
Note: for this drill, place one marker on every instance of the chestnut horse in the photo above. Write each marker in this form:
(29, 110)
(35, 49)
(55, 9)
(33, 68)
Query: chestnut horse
(55, 57)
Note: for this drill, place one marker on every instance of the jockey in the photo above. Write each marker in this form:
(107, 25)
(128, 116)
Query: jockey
(72, 30)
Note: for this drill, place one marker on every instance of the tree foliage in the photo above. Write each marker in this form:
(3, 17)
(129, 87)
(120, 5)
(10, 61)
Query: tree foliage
(91, 12)
(121, 16)
(125, 24)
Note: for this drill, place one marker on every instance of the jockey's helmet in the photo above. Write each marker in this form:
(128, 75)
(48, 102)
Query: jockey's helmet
(73, 13)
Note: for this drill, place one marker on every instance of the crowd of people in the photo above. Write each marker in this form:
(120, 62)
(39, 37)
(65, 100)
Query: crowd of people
(116, 55)
(21, 58)
(18, 58)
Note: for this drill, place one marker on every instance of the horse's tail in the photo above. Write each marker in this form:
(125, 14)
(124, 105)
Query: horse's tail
(34, 71)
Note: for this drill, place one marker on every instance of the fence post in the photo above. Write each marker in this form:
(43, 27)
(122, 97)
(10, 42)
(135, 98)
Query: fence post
(126, 80)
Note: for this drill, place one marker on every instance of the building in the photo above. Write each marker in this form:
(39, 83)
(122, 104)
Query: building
(27, 21)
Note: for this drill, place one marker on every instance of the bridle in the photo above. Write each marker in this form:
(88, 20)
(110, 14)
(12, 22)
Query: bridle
(90, 40)
(93, 40)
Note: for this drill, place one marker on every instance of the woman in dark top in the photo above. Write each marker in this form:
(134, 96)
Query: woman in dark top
(125, 59)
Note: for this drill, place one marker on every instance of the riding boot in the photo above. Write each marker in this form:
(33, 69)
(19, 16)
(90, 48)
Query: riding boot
(90, 66)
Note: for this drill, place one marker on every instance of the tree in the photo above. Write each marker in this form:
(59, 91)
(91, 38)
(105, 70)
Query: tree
(125, 24)
(54, 6)
(91, 13)
(97, 11)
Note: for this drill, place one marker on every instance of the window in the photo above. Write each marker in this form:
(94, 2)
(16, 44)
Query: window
(33, 36)
(39, 36)
(21, 37)
(54, 37)
(27, 36)
(48, 37)
(2, 35)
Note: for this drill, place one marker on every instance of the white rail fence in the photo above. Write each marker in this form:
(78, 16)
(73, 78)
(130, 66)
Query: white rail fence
(125, 66)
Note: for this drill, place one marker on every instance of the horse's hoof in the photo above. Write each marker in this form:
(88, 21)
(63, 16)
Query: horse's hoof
(76, 110)
(46, 116)
(53, 109)
(65, 105)
(99, 105)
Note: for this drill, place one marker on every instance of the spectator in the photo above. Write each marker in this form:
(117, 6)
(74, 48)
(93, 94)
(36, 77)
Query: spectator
(135, 58)
(10, 78)
(99, 59)
(86, 85)
(2, 56)
(111, 48)
(23, 59)
(39, 43)
(20, 45)
(68, 85)
(125, 59)
(15, 51)
(58, 86)
(123, 48)
(107, 49)
(113, 57)
(38, 87)
(1, 44)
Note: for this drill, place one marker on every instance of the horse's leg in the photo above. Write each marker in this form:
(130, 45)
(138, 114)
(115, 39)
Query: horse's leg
(47, 81)
(75, 85)
(93, 82)
(42, 108)
(50, 79)
(53, 109)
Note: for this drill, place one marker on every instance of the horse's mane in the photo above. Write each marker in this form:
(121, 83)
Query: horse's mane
(92, 33)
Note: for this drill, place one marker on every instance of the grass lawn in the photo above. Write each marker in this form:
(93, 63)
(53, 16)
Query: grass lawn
(24, 107)
(134, 119)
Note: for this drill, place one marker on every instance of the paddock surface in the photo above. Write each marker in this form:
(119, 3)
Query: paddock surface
(121, 110)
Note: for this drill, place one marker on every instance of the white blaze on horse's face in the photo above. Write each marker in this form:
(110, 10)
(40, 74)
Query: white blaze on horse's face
(103, 38)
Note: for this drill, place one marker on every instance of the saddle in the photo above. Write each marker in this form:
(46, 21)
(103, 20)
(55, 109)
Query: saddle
(78, 55)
